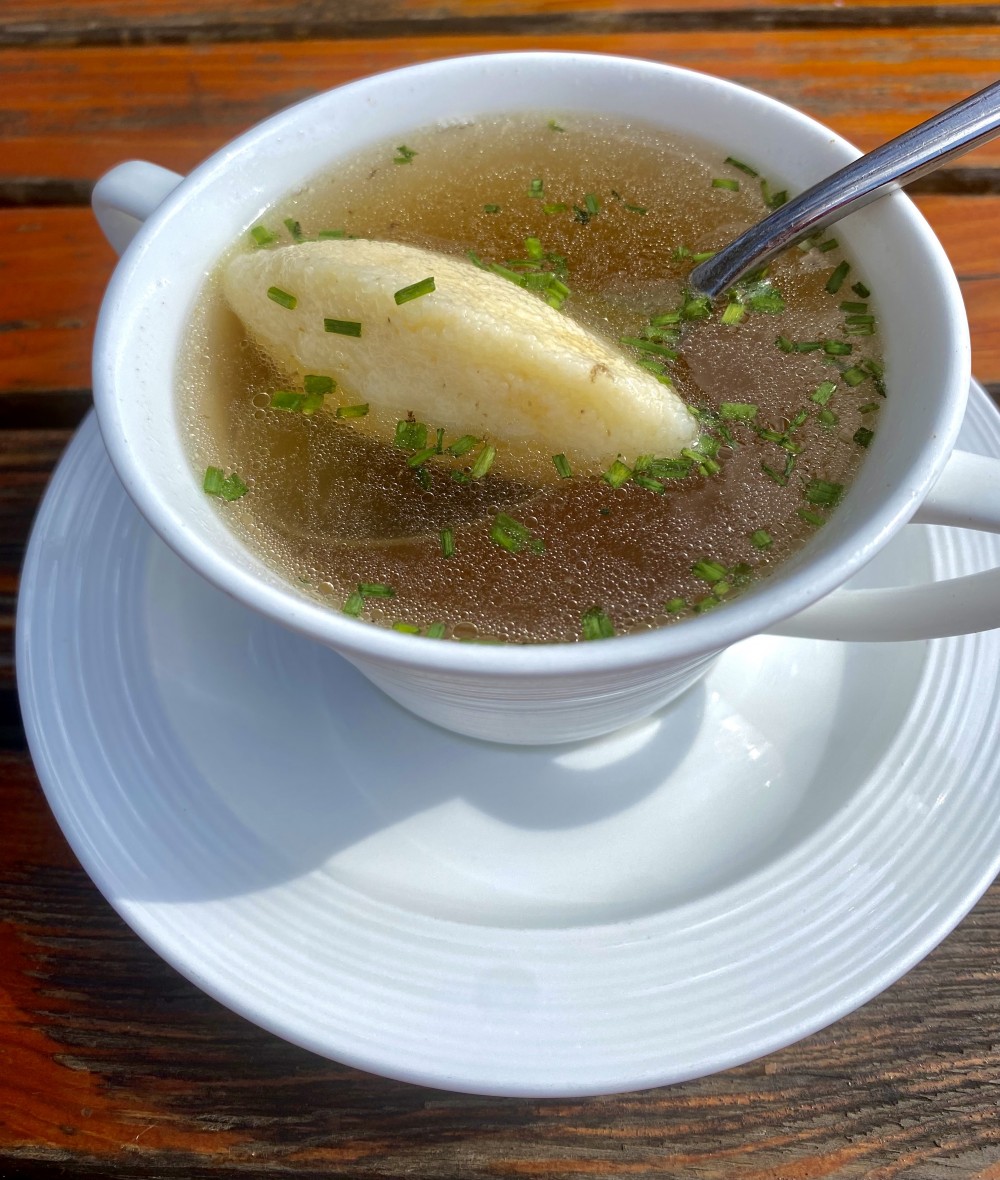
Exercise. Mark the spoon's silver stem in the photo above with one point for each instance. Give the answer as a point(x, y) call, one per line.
point(914, 153)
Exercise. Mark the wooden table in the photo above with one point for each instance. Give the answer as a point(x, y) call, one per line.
point(110, 1062)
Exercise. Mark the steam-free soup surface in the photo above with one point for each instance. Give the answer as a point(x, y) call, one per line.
point(783, 376)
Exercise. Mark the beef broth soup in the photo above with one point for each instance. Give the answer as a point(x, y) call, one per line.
point(405, 523)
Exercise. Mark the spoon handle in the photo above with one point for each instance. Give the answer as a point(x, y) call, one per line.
point(923, 148)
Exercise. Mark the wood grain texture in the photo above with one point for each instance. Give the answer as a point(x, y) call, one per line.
point(46, 328)
point(73, 113)
point(110, 1060)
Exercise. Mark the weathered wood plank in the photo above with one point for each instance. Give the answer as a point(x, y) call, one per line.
point(70, 114)
point(112, 1061)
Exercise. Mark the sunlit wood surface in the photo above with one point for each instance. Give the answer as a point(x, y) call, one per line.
point(110, 1063)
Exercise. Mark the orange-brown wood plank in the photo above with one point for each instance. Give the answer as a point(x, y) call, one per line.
point(46, 327)
point(72, 113)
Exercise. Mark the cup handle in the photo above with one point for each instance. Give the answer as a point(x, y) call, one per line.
point(124, 197)
point(966, 495)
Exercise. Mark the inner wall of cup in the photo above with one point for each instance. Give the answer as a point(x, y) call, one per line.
point(891, 248)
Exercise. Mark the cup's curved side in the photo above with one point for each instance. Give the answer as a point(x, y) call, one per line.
point(126, 195)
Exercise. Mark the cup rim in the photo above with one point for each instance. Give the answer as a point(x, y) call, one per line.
point(751, 613)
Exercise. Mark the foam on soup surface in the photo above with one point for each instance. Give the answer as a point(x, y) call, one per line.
point(334, 478)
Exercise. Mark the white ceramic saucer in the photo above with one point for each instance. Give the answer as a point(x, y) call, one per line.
point(738, 871)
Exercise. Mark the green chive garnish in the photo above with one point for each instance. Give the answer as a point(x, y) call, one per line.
point(853, 308)
point(282, 298)
point(216, 483)
point(536, 188)
point(709, 571)
point(447, 542)
point(333, 235)
point(562, 466)
point(734, 312)
point(854, 376)
point(491, 208)
point(595, 624)
point(591, 204)
point(375, 590)
point(359, 411)
point(828, 245)
point(555, 208)
point(732, 186)
point(863, 436)
point(410, 436)
point(315, 383)
point(734, 163)
point(648, 482)
point(811, 517)
point(861, 290)
point(696, 307)
point(617, 474)
point(772, 200)
point(828, 417)
point(404, 155)
point(738, 411)
point(554, 126)
point(823, 392)
point(777, 476)
point(294, 229)
point(836, 280)
point(436, 631)
point(764, 297)
point(761, 539)
point(674, 605)
point(262, 236)
point(419, 458)
point(413, 291)
point(868, 408)
point(286, 399)
point(406, 628)
point(354, 605)
point(342, 327)
point(837, 348)
point(512, 535)
point(669, 468)
point(636, 208)
point(462, 445)
point(484, 461)
point(822, 491)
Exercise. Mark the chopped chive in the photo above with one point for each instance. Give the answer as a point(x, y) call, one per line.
point(807, 346)
point(709, 571)
point(649, 346)
point(799, 420)
point(295, 229)
point(406, 628)
point(811, 517)
point(785, 344)
point(854, 376)
point(732, 186)
point(419, 458)
point(789, 466)
point(233, 487)
point(282, 298)
point(617, 474)
point(447, 542)
point(681, 253)
point(775, 475)
point(721, 589)
point(215, 477)
point(868, 408)
point(772, 200)
point(591, 204)
point(837, 348)
point(476, 260)
point(562, 466)
point(410, 436)
point(853, 308)
point(860, 329)
point(674, 605)
point(823, 392)
point(705, 604)
point(641, 209)
point(333, 235)
point(512, 535)
point(734, 163)
point(558, 207)
point(536, 188)
point(286, 399)
point(738, 411)
point(696, 307)
point(423, 477)
point(436, 631)
point(460, 477)
point(733, 313)
point(354, 605)
point(359, 411)
point(861, 290)
point(828, 417)
point(836, 280)
point(863, 436)
point(858, 318)
point(595, 624)
point(439, 441)
point(506, 273)
point(828, 245)
point(643, 462)
point(342, 327)
point(375, 590)
point(404, 155)
point(491, 208)
point(703, 255)
point(648, 482)
point(484, 461)
point(413, 291)
point(554, 126)
point(262, 236)
point(822, 491)
point(761, 539)
point(216, 483)
point(314, 383)
point(533, 248)
point(669, 468)
point(765, 298)
point(462, 445)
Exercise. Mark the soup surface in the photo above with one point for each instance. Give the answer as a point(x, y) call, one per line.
point(411, 527)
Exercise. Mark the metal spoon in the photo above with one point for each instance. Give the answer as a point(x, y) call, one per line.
point(923, 148)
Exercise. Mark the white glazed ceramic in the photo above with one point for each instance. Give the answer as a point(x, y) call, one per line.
point(702, 887)
point(545, 693)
